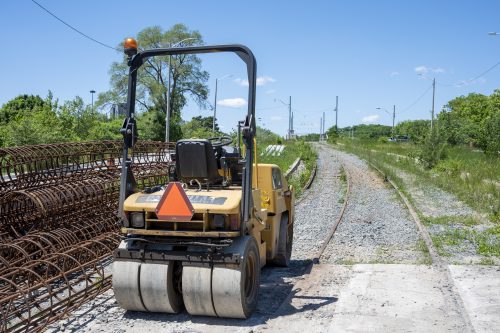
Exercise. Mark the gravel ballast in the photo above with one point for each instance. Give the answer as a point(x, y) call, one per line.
point(376, 227)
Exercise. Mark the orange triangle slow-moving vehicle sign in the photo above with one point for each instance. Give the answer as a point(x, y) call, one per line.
point(174, 204)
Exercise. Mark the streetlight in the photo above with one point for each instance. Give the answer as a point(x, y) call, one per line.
point(433, 95)
point(167, 116)
point(290, 116)
point(493, 33)
point(393, 117)
point(92, 92)
point(215, 100)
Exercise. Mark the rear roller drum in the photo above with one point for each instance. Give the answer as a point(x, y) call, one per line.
point(285, 241)
point(235, 291)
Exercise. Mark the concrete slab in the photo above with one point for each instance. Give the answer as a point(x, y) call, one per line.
point(395, 298)
point(479, 288)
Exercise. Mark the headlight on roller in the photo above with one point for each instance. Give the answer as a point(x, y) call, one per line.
point(137, 219)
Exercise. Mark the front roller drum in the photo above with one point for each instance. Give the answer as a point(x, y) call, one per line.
point(126, 285)
point(146, 287)
point(157, 288)
point(221, 291)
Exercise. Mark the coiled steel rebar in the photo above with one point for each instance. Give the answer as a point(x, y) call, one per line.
point(59, 223)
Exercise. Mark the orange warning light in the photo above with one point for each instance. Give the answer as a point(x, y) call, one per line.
point(130, 43)
point(130, 47)
point(174, 204)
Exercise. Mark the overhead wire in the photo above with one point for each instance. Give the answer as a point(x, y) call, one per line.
point(417, 100)
point(73, 28)
point(480, 75)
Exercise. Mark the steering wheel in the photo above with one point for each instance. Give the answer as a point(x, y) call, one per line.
point(219, 141)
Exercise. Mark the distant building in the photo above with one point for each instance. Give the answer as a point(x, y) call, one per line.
point(118, 110)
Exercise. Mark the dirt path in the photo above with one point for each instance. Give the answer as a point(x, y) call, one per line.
point(331, 297)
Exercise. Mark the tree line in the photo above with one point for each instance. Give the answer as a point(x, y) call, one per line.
point(472, 120)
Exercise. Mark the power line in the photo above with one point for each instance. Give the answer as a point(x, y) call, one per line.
point(417, 100)
point(463, 82)
point(270, 107)
point(480, 75)
point(73, 28)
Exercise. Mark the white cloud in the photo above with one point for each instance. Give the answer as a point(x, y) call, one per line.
point(241, 82)
point(270, 91)
point(424, 70)
point(232, 102)
point(261, 81)
point(394, 73)
point(421, 70)
point(276, 118)
point(370, 119)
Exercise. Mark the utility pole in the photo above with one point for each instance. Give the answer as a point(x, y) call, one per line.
point(320, 129)
point(336, 113)
point(215, 108)
point(393, 118)
point(433, 95)
point(324, 131)
point(290, 121)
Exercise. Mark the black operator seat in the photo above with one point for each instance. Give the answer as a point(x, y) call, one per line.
point(196, 160)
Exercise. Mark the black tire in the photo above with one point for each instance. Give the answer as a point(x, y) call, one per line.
point(250, 277)
point(285, 242)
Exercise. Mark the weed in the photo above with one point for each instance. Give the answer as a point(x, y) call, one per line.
point(439, 245)
point(293, 149)
point(451, 220)
point(422, 247)
point(486, 261)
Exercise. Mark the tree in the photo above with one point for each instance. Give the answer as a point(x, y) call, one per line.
point(20, 106)
point(416, 130)
point(31, 120)
point(473, 119)
point(187, 80)
point(200, 127)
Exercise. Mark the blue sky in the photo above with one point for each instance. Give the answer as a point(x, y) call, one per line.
point(366, 52)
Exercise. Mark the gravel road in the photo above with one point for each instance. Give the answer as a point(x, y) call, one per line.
point(376, 228)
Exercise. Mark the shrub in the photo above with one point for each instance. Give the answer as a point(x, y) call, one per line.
point(433, 149)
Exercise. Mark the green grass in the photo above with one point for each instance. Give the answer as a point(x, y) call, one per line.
point(343, 182)
point(293, 149)
point(486, 243)
point(470, 175)
point(450, 220)
point(422, 247)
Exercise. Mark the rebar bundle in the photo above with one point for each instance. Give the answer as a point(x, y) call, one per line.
point(59, 223)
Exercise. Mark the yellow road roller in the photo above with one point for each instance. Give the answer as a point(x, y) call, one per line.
point(200, 241)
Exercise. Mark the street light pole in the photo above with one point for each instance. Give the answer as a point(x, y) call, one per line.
point(215, 100)
point(290, 116)
point(167, 115)
point(336, 113)
point(92, 92)
point(393, 116)
point(215, 108)
point(433, 94)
